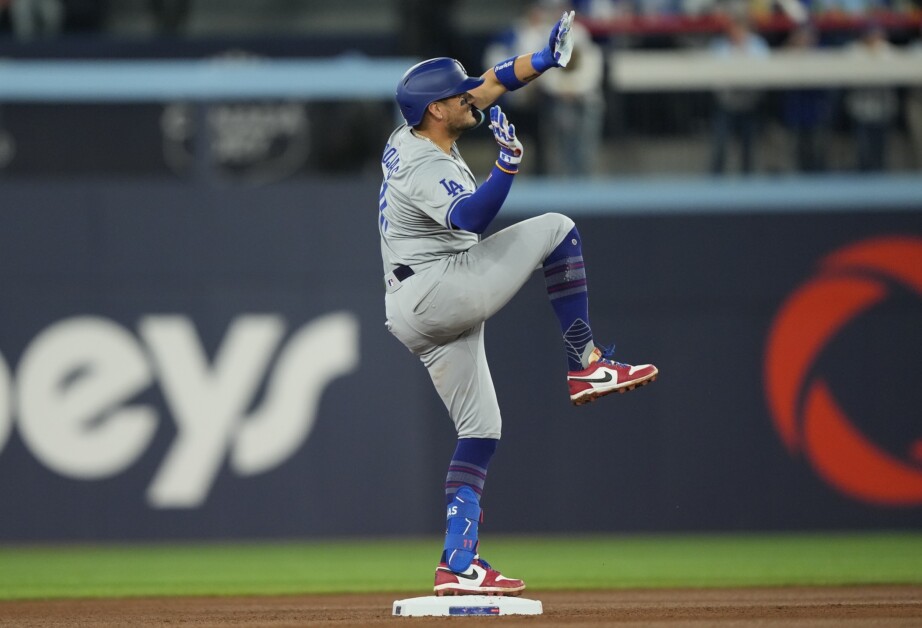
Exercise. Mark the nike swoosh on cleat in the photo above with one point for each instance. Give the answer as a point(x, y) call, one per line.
point(471, 576)
point(589, 380)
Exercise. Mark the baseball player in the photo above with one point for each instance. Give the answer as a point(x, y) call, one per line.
point(443, 279)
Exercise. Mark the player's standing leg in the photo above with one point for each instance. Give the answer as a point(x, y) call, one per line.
point(467, 473)
point(461, 375)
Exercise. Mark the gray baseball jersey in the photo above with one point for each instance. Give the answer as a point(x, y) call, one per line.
point(422, 185)
point(459, 280)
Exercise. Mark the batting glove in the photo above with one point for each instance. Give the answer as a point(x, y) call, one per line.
point(559, 46)
point(510, 148)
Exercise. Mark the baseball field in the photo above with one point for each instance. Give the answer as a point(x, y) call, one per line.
point(739, 580)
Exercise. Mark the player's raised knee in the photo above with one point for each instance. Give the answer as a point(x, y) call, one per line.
point(563, 224)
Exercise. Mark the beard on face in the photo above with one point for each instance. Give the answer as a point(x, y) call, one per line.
point(467, 122)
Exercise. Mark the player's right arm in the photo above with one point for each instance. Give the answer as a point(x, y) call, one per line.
point(477, 211)
point(519, 71)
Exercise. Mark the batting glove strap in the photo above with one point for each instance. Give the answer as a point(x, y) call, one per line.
point(509, 160)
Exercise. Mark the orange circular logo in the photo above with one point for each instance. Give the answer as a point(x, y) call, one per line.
point(850, 281)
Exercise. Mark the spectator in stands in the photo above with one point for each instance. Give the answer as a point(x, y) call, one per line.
point(871, 109)
point(843, 11)
point(36, 19)
point(736, 110)
point(46, 19)
point(572, 120)
point(806, 113)
point(604, 13)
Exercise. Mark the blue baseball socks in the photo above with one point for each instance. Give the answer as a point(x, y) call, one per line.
point(463, 487)
point(565, 280)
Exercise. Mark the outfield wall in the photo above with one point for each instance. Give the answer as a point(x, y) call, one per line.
point(188, 362)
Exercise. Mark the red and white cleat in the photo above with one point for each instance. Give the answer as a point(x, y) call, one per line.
point(604, 376)
point(479, 579)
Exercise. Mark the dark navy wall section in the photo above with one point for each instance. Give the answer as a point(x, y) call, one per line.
point(148, 262)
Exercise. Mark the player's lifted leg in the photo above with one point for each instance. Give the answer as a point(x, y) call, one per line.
point(593, 372)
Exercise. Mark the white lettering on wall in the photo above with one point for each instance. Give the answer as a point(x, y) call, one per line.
point(76, 380)
point(72, 380)
point(319, 352)
point(5, 403)
point(207, 401)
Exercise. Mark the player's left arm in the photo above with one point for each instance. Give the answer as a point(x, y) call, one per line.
point(517, 72)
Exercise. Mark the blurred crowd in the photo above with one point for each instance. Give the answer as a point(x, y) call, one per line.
point(30, 20)
point(566, 115)
point(571, 117)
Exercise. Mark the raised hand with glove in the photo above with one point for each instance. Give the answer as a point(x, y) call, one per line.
point(517, 72)
point(559, 47)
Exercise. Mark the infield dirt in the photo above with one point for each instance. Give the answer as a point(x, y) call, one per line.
point(887, 606)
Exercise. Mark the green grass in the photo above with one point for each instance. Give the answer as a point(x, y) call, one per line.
point(74, 571)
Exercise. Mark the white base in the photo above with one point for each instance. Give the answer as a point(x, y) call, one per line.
point(461, 605)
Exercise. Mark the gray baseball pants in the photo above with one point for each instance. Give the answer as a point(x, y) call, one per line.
point(439, 312)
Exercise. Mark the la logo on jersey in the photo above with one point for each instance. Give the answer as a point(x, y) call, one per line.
point(452, 187)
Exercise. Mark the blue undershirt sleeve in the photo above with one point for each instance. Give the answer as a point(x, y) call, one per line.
point(475, 212)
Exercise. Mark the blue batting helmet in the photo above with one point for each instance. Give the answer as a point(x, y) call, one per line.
point(429, 81)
